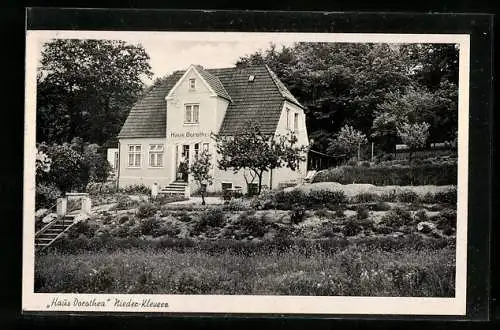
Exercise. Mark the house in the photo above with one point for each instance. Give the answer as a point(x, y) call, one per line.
point(175, 121)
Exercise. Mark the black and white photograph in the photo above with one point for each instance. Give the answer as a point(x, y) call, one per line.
point(246, 172)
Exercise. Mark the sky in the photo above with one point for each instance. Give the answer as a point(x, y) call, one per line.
point(169, 56)
point(170, 51)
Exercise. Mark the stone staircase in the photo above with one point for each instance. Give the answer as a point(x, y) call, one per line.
point(174, 188)
point(52, 231)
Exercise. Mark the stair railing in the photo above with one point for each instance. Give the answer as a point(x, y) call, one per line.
point(47, 226)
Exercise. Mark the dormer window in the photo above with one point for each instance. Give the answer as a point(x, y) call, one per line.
point(251, 78)
point(192, 83)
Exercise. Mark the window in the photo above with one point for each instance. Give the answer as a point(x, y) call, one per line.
point(134, 155)
point(196, 149)
point(156, 155)
point(192, 114)
point(192, 83)
point(287, 118)
point(296, 121)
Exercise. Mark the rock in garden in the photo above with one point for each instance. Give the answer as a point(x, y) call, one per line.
point(81, 217)
point(426, 226)
point(49, 218)
point(396, 234)
point(41, 213)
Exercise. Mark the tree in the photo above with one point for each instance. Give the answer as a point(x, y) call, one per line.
point(200, 169)
point(338, 83)
point(413, 135)
point(358, 84)
point(68, 169)
point(348, 141)
point(85, 88)
point(257, 152)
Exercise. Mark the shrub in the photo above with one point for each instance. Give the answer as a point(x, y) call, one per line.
point(297, 214)
point(286, 200)
point(407, 196)
point(120, 231)
point(146, 209)
point(46, 195)
point(322, 213)
point(362, 212)
point(124, 202)
point(447, 218)
point(136, 189)
point(253, 225)
point(236, 205)
point(149, 225)
point(339, 212)
point(86, 228)
point(402, 175)
point(123, 219)
point(446, 197)
point(168, 229)
point(381, 206)
point(185, 217)
point(421, 216)
point(364, 197)
point(322, 197)
point(213, 217)
point(388, 196)
point(397, 217)
point(365, 164)
point(352, 163)
point(351, 227)
point(134, 231)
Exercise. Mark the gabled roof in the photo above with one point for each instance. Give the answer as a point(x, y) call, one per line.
point(213, 82)
point(260, 100)
point(147, 118)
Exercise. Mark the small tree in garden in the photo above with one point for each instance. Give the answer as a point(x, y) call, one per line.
point(200, 169)
point(68, 169)
point(258, 152)
point(348, 141)
point(414, 135)
point(100, 170)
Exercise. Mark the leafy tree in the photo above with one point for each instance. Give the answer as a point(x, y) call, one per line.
point(413, 135)
point(348, 141)
point(257, 152)
point(85, 88)
point(339, 83)
point(200, 169)
point(366, 85)
point(68, 169)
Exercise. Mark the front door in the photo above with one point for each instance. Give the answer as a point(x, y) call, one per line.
point(182, 163)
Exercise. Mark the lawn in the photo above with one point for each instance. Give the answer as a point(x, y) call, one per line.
point(351, 270)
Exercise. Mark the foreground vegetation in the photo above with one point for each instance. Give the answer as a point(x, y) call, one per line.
point(317, 239)
point(349, 270)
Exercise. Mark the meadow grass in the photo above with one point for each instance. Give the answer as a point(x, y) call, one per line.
point(351, 270)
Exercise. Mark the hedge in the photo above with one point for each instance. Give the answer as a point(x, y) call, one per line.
point(427, 174)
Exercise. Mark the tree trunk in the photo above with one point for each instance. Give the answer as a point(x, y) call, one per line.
point(202, 198)
point(260, 182)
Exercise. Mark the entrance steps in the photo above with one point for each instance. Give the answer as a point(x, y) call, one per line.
point(52, 231)
point(174, 188)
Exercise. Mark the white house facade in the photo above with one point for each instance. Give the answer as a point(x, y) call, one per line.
point(176, 119)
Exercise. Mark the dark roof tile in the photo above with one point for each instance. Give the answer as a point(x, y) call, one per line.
point(260, 101)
